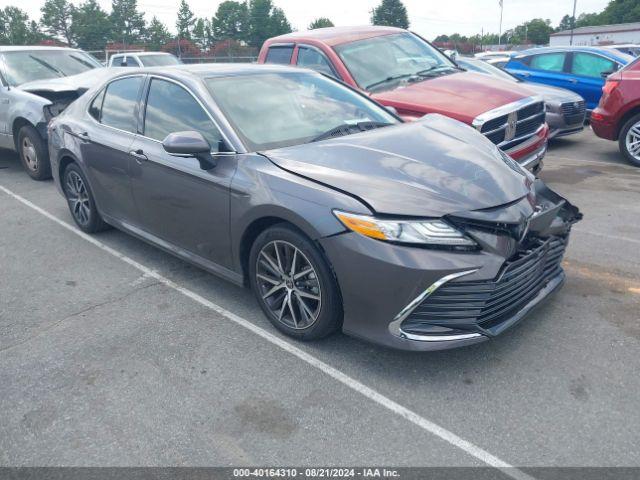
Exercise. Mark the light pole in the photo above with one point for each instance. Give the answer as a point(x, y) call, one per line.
point(500, 30)
point(573, 21)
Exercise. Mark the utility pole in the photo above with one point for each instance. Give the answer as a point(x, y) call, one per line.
point(500, 30)
point(573, 21)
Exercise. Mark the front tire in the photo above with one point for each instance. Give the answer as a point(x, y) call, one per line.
point(80, 200)
point(294, 284)
point(33, 153)
point(629, 140)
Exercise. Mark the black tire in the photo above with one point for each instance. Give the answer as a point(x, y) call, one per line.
point(80, 200)
point(33, 153)
point(326, 312)
point(633, 122)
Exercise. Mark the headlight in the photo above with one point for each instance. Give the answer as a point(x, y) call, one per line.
point(424, 232)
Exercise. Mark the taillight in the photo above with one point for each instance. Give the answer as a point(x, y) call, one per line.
point(610, 86)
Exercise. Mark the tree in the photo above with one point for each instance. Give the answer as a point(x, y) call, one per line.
point(589, 19)
point(538, 31)
point(57, 19)
point(128, 25)
point(91, 27)
point(279, 25)
point(202, 35)
point(566, 23)
point(259, 24)
point(14, 29)
point(186, 20)
point(157, 34)
point(231, 21)
point(322, 22)
point(621, 11)
point(392, 13)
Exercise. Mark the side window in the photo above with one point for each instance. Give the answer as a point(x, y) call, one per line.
point(170, 108)
point(130, 62)
point(119, 105)
point(315, 60)
point(116, 60)
point(589, 65)
point(281, 55)
point(95, 109)
point(551, 62)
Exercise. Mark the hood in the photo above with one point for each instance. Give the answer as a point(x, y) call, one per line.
point(75, 83)
point(461, 95)
point(553, 95)
point(429, 168)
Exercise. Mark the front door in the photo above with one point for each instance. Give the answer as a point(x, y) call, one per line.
point(179, 203)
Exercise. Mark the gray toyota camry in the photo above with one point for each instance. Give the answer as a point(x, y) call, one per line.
point(338, 215)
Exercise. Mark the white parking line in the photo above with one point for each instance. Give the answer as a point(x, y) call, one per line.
point(336, 374)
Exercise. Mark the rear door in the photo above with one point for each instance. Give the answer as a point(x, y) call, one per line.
point(106, 144)
point(179, 203)
point(587, 70)
point(315, 59)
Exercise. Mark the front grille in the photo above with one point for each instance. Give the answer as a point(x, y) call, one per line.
point(530, 118)
point(489, 303)
point(573, 112)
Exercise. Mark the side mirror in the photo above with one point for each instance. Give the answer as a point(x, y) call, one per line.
point(190, 144)
point(391, 109)
point(606, 74)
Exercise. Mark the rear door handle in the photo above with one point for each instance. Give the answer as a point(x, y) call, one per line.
point(573, 80)
point(138, 155)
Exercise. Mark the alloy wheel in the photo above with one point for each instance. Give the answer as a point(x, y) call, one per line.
point(78, 198)
point(632, 142)
point(29, 154)
point(288, 284)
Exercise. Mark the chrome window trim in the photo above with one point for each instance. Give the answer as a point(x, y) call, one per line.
point(395, 326)
point(505, 110)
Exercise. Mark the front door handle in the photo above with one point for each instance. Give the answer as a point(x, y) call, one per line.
point(573, 80)
point(138, 155)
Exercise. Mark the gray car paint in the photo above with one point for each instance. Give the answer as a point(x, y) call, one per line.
point(209, 217)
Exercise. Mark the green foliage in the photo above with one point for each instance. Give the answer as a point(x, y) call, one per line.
point(322, 22)
point(128, 24)
point(566, 23)
point(231, 21)
point(186, 20)
point(57, 19)
point(265, 21)
point(202, 34)
point(91, 27)
point(14, 28)
point(392, 13)
point(157, 34)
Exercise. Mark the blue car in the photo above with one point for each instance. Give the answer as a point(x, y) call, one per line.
point(580, 69)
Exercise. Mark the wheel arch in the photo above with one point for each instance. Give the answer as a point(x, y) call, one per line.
point(17, 124)
point(634, 110)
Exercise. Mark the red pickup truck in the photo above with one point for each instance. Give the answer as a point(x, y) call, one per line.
point(399, 69)
point(618, 114)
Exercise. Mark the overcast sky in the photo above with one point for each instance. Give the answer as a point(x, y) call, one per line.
point(428, 17)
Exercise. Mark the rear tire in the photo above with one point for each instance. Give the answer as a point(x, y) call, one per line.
point(33, 153)
point(629, 140)
point(294, 284)
point(80, 200)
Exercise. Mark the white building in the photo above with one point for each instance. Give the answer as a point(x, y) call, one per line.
point(621, 33)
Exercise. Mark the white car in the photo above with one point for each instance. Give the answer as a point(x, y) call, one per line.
point(143, 59)
point(628, 48)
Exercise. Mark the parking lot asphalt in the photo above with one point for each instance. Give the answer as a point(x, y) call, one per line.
point(104, 364)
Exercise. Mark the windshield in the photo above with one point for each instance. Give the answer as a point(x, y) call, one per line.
point(481, 66)
point(31, 65)
point(382, 62)
point(273, 110)
point(158, 60)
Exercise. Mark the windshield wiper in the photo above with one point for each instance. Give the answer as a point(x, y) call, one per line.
point(47, 65)
point(347, 129)
point(389, 79)
point(428, 72)
point(82, 62)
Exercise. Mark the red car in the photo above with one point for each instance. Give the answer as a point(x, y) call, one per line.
point(399, 69)
point(617, 117)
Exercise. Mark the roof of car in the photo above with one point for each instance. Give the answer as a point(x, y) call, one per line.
point(31, 48)
point(337, 35)
point(607, 52)
point(212, 70)
point(141, 54)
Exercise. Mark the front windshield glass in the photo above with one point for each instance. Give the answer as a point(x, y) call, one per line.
point(380, 63)
point(158, 60)
point(481, 66)
point(273, 110)
point(30, 65)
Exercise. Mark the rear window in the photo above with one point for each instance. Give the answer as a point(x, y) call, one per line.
point(119, 104)
point(281, 55)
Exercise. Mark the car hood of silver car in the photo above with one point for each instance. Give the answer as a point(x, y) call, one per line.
point(73, 83)
point(553, 95)
point(428, 168)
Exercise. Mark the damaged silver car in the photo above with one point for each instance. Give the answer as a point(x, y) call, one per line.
point(36, 84)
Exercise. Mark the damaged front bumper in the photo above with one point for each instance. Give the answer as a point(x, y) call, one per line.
point(422, 299)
